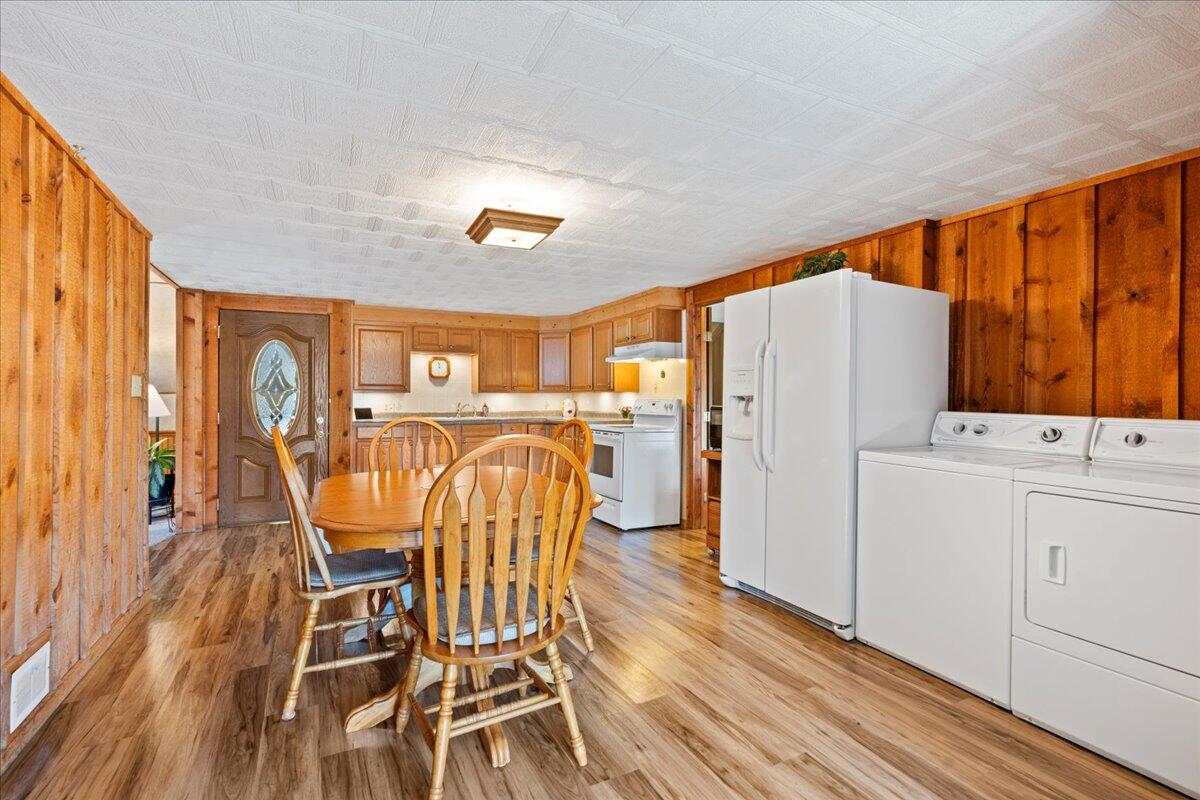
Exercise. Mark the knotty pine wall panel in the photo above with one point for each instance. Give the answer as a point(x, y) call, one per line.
point(73, 303)
point(1059, 294)
point(993, 348)
point(1138, 294)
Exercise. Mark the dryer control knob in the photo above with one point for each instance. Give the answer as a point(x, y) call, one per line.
point(960, 428)
point(980, 429)
point(1050, 435)
point(1135, 439)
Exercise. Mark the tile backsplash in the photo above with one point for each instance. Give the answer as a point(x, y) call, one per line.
point(657, 379)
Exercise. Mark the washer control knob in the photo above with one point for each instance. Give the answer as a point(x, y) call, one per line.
point(960, 428)
point(980, 429)
point(1135, 439)
point(1050, 435)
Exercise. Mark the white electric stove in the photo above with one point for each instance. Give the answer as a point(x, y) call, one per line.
point(636, 467)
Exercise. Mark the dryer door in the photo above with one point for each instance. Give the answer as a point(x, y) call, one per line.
point(1119, 575)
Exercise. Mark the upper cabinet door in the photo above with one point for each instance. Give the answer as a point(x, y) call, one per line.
point(555, 362)
point(643, 327)
point(381, 355)
point(492, 368)
point(602, 346)
point(462, 340)
point(524, 361)
point(622, 330)
point(428, 339)
point(581, 360)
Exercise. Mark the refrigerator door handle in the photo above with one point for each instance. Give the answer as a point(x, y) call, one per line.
point(770, 374)
point(756, 405)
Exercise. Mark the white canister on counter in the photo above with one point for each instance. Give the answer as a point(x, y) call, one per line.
point(569, 409)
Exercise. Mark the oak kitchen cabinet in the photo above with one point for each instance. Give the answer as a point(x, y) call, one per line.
point(556, 361)
point(602, 346)
point(507, 361)
point(381, 355)
point(650, 325)
point(493, 366)
point(462, 340)
point(581, 359)
point(524, 361)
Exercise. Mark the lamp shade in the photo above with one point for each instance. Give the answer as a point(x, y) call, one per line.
point(155, 407)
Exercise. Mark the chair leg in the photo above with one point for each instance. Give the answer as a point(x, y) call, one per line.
point(441, 739)
point(403, 706)
point(300, 659)
point(577, 604)
point(563, 687)
point(398, 604)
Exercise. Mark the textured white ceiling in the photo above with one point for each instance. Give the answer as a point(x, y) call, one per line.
point(342, 148)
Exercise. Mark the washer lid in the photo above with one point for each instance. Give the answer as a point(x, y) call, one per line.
point(1160, 483)
point(964, 460)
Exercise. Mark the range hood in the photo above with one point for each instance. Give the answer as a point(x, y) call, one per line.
point(647, 351)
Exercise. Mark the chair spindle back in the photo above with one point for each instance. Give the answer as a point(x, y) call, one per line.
point(411, 443)
point(576, 435)
point(468, 499)
point(306, 545)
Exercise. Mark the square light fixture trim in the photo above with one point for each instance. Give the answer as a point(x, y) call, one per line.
point(504, 228)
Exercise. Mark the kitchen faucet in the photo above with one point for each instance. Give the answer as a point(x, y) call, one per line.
point(460, 407)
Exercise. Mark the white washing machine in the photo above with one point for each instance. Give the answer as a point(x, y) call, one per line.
point(1106, 598)
point(935, 542)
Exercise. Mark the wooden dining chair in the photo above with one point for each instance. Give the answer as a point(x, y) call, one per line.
point(411, 443)
point(321, 577)
point(577, 436)
point(475, 516)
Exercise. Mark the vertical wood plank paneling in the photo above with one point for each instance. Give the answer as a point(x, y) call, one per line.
point(907, 258)
point(1059, 296)
point(37, 383)
point(864, 256)
point(993, 317)
point(339, 426)
point(114, 404)
point(69, 451)
point(72, 328)
point(96, 425)
point(951, 278)
point(189, 410)
point(1138, 294)
point(1189, 340)
point(140, 292)
point(12, 288)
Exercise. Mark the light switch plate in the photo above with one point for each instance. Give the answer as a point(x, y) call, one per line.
point(135, 388)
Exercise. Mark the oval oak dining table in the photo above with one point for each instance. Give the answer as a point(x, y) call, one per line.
point(368, 510)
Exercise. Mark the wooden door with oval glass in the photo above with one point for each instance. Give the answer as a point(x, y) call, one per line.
point(273, 370)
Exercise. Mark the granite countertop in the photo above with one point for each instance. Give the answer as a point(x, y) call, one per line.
point(495, 418)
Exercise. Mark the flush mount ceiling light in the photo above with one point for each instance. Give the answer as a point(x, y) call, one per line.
point(504, 228)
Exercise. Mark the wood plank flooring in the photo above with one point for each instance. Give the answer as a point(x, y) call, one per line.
point(695, 691)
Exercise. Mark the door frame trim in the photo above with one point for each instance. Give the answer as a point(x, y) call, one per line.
point(199, 366)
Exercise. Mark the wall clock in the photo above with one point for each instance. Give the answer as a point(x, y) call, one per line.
point(439, 367)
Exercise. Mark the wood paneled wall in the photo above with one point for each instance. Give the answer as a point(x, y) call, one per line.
point(1084, 299)
point(73, 503)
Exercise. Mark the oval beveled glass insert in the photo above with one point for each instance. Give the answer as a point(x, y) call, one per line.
point(274, 387)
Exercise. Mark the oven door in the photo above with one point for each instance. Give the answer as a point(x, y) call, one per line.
point(607, 457)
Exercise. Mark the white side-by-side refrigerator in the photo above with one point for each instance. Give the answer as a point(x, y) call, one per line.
point(815, 370)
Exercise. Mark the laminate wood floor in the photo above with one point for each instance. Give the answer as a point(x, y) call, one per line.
point(694, 691)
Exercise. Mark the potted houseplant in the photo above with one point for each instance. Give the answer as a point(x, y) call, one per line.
point(820, 264)
point(162, 458)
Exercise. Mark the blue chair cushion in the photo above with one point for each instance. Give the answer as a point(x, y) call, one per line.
point(487, 627)
point(358, 566)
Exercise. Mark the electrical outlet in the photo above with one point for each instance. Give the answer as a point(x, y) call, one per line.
point(30, 684)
